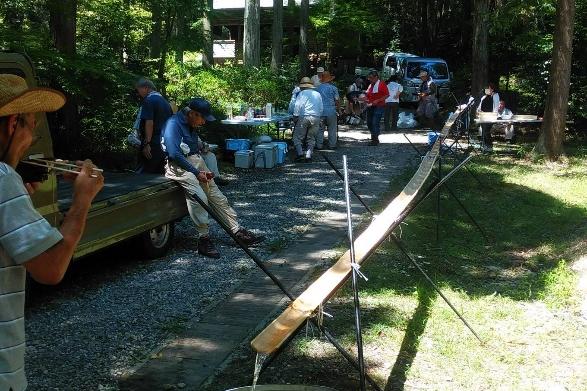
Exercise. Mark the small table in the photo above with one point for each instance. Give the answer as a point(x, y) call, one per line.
point(257, 122)
point(515, 119)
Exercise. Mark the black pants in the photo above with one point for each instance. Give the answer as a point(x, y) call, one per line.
point(154, 165)
point(390, 116)
point(486, 135)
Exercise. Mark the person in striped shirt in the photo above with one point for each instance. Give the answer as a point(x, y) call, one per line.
point(28, 243)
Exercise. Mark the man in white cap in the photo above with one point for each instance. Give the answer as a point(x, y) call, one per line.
point(317, 78)
point(186, 166)
point(307, 112)
point(28, 243)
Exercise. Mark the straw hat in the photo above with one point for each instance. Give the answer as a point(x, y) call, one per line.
point(327, 77)
point(306, 82)
point(16, 97)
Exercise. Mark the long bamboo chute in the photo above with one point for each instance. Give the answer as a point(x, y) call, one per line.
point(294, 316)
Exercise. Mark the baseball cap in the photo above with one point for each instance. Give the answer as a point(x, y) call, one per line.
point(202, 106)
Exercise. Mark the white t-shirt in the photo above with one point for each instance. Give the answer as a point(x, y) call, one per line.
point(393, 88)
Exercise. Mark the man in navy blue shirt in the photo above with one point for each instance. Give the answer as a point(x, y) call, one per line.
point(186, 165)
point(155, 111)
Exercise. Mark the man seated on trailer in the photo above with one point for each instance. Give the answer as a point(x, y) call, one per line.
point(187, 167)
point(28, 243)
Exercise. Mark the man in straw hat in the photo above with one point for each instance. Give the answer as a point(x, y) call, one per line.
point(186, 166)
point(330, 99)
point(307, 112)
point(27, 241)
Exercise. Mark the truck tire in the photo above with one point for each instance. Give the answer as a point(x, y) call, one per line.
point(157, 241)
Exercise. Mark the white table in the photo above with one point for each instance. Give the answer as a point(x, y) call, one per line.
point(257, 122)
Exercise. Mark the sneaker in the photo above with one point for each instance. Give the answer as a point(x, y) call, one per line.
point(249, 238)
point(207, 248)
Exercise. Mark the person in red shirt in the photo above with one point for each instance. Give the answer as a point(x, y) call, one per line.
point(376, 95)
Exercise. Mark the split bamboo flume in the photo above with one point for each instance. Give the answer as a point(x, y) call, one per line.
point(294, 316)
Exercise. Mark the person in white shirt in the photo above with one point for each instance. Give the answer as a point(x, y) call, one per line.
point(316, 79)
point(504, 113)
point(488, 103)
point(307, 112)
point(353, 106)
point(391, 112)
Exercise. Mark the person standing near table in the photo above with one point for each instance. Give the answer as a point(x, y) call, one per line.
point(154, 112)
point(377, 92)
point(28, 243)
point(489, 103)
point(186, 166)
point(330, 99)
point(307, 111)
point(504, 113)
point(391, 113)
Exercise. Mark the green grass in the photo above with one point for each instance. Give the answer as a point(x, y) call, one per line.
point(517, 290)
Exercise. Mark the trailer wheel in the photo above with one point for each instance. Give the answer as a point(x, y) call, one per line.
point(157, 241)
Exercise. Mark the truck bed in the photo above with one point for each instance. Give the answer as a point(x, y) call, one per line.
point(115, 185)
point(129, 204)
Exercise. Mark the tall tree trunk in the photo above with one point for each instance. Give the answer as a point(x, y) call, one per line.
point(277, 36)
point(425, 32)
point(291, 30)
point(156, 29)
point(252, 42)
point(552, 132)
point(304, 22)
point(479, 53)
point(170, 17)
point(208, 54)
point(63, 24)
point(179, 36)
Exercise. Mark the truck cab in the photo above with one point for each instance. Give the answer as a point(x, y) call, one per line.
point(407, 67)
point(130, 205)
point(408, 73)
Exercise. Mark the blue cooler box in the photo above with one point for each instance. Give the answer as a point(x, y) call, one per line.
point(243, 159)
point(281, 151)
point(432, 136)
point(238, 144)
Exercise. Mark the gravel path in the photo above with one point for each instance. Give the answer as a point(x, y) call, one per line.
point(114, 309)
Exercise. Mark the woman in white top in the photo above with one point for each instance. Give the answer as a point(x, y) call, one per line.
point(391, 112)
point(489, 103)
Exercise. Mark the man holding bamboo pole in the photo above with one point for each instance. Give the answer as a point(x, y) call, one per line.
point(27, 241)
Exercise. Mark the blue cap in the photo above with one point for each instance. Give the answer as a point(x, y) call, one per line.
point(202, 106)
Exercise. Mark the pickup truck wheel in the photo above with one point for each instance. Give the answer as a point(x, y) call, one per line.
point(157, 241)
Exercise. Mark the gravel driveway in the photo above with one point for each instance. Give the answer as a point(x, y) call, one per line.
point(114, 308)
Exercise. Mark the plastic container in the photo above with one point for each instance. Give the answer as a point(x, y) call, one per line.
point(432, 136)
point(281, 151)
point(238, 144)
point(243, 159)
point(266, 155)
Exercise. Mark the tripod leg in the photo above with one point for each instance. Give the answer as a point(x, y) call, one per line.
point(466, 212)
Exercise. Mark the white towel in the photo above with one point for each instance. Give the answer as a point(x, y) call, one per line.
point(375, 87)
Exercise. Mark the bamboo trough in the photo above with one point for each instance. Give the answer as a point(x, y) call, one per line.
point(293, 317)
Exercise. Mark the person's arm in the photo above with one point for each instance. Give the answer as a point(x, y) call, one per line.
point(50, 266)
point(399, 91)
point(148, 116)
point(148, 136)
point(336, 99)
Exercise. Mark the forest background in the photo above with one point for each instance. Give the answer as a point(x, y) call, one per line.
point(94, 50)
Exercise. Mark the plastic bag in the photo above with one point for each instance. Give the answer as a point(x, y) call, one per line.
point(133, 139)
point(406, 120)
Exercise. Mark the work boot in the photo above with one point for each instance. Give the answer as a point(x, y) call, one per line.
point(207, 248)
point(248, 238)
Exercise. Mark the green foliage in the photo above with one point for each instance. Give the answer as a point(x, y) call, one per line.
point(231, 85)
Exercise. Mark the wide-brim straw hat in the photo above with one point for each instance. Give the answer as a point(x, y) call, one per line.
point(17, 98)
point(306, 82)
point(327, 77)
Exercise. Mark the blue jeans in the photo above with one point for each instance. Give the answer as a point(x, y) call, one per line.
point(374, 114)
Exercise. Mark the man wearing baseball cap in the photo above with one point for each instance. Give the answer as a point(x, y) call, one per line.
point(186, 166)
point(28, 243)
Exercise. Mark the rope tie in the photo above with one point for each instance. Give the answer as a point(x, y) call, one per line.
point(357, 268)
